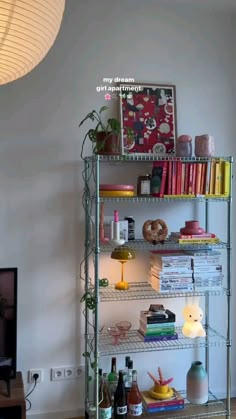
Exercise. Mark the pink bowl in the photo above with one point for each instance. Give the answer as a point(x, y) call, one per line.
point(123, 327)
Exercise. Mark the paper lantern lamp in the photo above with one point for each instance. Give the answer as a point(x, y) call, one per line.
point(28, 29)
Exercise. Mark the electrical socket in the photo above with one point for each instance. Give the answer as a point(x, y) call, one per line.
point(70, 372)
point(79, 371)
point(57, 373)
point(31, 374)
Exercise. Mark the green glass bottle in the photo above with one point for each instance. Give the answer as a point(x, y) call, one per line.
point(112, 379)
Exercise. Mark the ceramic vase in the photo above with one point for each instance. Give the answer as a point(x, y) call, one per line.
point(197, 384)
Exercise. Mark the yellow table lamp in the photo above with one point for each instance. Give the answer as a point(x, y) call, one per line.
point(122, 254)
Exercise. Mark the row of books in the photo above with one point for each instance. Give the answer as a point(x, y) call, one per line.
point(151, 405)
point(192, 178)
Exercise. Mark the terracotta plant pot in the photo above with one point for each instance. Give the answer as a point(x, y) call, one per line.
point(107, 143)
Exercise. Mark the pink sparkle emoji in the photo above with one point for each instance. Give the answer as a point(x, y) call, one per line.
point(107, 96)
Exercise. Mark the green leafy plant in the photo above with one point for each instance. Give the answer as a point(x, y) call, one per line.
point(108, 127)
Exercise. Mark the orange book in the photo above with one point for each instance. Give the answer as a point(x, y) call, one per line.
point(203, 179)
point(198, 178)
point(194, 178)
point(190, 183)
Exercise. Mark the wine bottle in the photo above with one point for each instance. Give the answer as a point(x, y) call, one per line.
point(128, 382)
point(120, 399)
point(105, 408)
point(112, 379)
point(134, 398)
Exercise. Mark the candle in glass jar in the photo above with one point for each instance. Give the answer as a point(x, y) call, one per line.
point(204, 146)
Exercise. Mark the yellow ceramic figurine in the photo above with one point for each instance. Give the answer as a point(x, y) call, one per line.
point(161, 389)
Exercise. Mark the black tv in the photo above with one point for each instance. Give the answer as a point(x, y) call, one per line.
point(8, 322)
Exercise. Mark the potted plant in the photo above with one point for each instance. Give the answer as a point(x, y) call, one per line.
point(105, 135)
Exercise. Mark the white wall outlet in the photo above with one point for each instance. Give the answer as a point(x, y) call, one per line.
point(79, 371)
point(57, 373)
point(31, 375)
point(69, 372)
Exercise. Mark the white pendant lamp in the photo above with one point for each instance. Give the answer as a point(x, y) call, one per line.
point(28, 29)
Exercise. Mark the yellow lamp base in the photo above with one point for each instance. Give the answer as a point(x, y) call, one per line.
point(160, 394)
point(122, 285)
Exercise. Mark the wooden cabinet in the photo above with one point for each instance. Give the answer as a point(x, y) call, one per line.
point(14, 406)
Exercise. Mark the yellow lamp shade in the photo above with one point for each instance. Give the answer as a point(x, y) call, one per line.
point(28, 29)
point(123, 253)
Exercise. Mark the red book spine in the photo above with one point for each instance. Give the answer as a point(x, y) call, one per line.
point(169, 190)
point(179, 177)
point(163, 179)
point(182, 178)
point(173, 402)
point(186, 180)
point(174, 176)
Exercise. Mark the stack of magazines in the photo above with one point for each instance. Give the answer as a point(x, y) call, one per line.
point(207, 270)
point(171, 272)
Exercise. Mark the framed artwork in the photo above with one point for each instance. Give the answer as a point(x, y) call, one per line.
point(148, 111)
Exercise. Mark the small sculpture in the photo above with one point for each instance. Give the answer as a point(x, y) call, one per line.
point(161, 389)
point(193, 316)
point(155, 231)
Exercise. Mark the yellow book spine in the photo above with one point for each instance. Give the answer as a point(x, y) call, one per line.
point(199, 241)
point(226, 178)
point(212, 177)
point(217, 178)
point(179, 196)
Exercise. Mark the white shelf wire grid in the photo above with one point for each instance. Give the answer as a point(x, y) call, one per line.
point(150, 157)
point(134, 342)
point(167, 245)
point(144, 291)
point(151, 199)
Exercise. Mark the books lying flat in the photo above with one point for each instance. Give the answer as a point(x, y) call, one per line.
point(158, 338)
point(156, 326)
point(150, 403)
point(151, 317)
point(157, 333)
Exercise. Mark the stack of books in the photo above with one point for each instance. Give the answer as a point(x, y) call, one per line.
point(171, 272)
point(204, 238)
point(207, 270)
point(157, 326)
point(154, 406)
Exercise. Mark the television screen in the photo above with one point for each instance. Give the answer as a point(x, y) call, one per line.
point(8, 321)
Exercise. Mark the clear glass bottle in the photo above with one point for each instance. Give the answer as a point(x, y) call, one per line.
point(105, 407)
point(134, 398)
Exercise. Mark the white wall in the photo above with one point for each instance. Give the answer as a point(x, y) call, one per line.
point(41, 216)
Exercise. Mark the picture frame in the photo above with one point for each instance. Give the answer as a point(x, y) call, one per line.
point(148, 111)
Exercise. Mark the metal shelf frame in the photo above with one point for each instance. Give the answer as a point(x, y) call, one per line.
point(98, 344)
